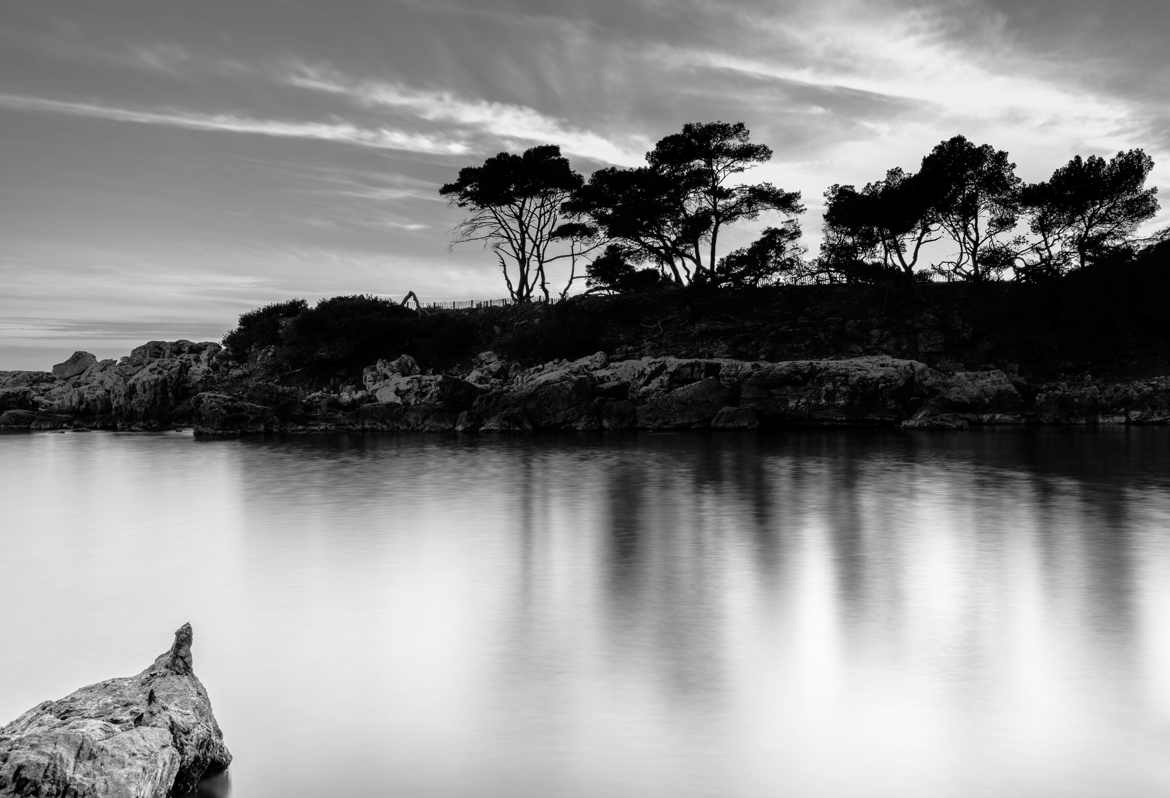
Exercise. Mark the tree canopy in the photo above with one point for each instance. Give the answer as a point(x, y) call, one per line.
point(515, 210)
point(976, 202)
point(958, 217)
point(672, 210)
point(1090, 205)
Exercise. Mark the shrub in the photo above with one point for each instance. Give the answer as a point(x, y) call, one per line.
point(262, 327)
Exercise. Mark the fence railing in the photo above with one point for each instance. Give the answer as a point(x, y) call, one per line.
point(473, 304)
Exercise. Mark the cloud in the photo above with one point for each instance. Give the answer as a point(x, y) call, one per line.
point(336, 131)
point(503, 120)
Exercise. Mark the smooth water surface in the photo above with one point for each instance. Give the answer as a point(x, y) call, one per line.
point(815, 614)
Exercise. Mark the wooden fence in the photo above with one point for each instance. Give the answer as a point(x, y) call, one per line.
point(472, 304)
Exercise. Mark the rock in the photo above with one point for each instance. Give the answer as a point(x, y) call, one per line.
point(151, 735)
point(618, 414)
point(688, 407)
point(20, 379)
point(218, 415)
point(438, 390)
point(383, 370)
point(863, 390)
point(977, 392)
point(736, 418)
point(16, 419)
point(77, 364)
point(16, 399)
point(945, 421)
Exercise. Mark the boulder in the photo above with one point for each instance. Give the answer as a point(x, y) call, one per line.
point(152, 735)
point(77, 363)
point(688, 407)
point(218, 415)
point(401, 366)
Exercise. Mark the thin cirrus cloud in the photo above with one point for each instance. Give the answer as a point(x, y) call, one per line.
point(502, 120)
point(337, 131)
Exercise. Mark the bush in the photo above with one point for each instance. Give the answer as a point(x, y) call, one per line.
point(262, 327)
point(346, 333)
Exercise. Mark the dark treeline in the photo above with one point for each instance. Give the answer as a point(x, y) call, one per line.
point(964, 215)
point(958, 264)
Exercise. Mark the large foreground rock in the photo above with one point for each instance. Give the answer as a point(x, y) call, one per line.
point(147, 736)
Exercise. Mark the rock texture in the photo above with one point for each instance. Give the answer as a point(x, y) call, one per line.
point(164, 385)
point(151, 735)
point(151, 388)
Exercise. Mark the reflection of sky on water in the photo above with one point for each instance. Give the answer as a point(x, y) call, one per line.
point(830, 614)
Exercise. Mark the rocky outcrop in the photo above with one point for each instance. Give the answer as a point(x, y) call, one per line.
point(180, 383)
point(151, 735)
point(151, 388)
point(76, 364)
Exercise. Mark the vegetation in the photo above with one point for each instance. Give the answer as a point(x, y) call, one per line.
point(516, 205)
point(958, 262)
point(963, 216)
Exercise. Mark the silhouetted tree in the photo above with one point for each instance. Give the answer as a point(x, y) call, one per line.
point(704, 157)
point(881, 228)
point(641, 208)
point(613, 271)
point(1089, 206)
point(775, 257)
point(515, 209)
point(672, 211)
point(976, 202)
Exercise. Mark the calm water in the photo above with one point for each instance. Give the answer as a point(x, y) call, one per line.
point(821, 614)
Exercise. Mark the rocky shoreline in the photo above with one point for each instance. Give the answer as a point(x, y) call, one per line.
point(179, 384)
point(151, 735)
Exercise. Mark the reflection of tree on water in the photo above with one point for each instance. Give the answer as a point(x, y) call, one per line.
point(985, 563)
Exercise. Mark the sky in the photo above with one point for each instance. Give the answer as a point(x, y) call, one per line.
point(165, 167)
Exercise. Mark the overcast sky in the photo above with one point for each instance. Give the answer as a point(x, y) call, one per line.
point(166, 166)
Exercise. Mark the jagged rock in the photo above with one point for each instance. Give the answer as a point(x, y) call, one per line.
point(856, 390)
point(217, 414)
point(377, 374)
point(16, 399)
point(151, 735)
point(20, 379)
point(438, 390)
point(945, 421)
point(690, 406)
point(735, 418)
point(16, 419)
point(488, 368)
point(77, 363)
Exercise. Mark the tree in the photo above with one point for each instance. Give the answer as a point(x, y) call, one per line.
point(772, 258)
point(515, 210)
point(612, 271)
point(1089, 206)
point(704, 157)
point(673, 210)
point(882, 228)
point(643, 209)
point(976, 202)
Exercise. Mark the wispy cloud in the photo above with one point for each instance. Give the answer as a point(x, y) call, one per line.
point(335, 131)
point(502, 120)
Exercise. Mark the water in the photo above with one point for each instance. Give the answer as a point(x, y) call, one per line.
point(816, 614)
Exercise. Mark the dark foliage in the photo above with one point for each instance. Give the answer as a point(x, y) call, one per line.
point(263, 326)
point(514, 204)
point(613, 272)
point(1088, 208)
point(772, 259)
